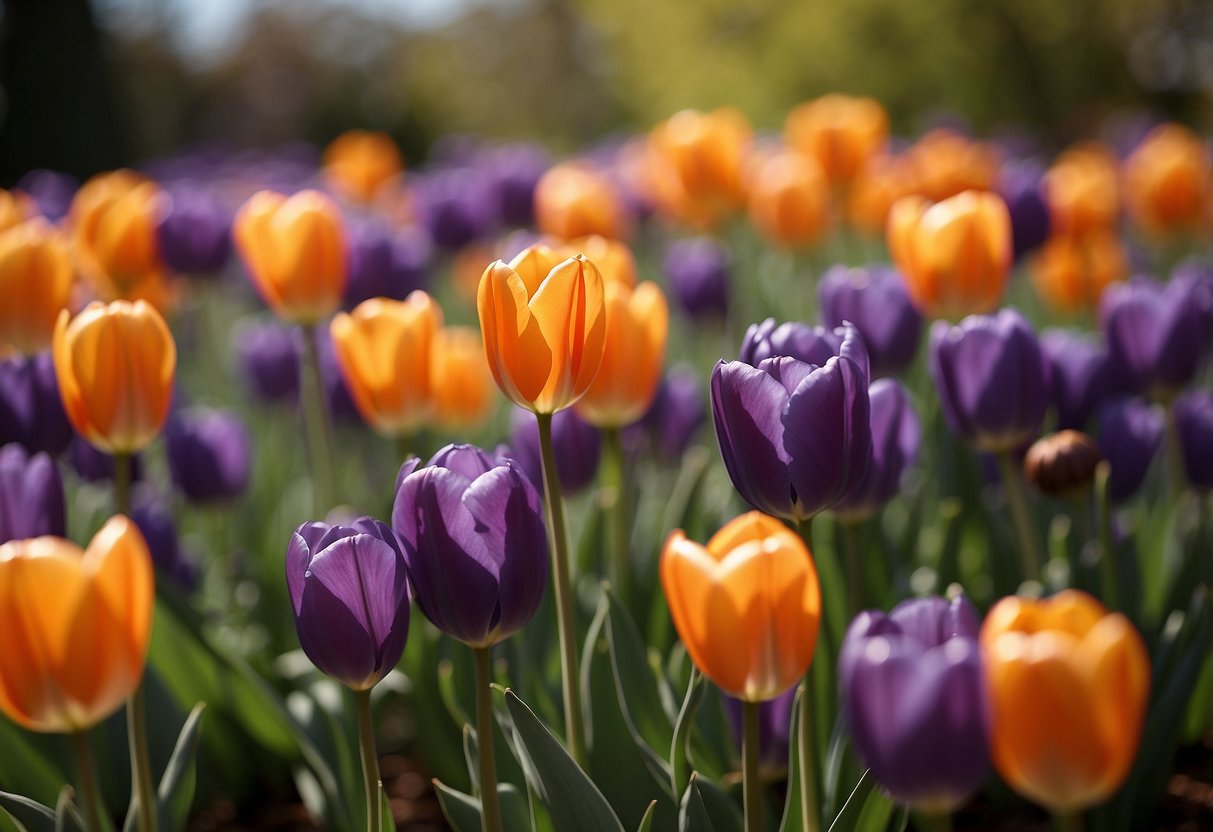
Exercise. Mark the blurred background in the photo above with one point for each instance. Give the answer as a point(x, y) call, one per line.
point(87, 86)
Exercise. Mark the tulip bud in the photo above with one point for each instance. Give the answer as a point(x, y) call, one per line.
point(31, 411)
point(1154, 334)
point(1062, 463)
point(944, 163)
point(31, 495)
point(698, 272)
point(789, 200)
point(1079, 375)
point(839, 132)
point(35, 282)
point(875, 301)
point(1130, 433)
point(574, 199)
point(1167, 182)
point(513, 172)
point(268, 356)
point(209, 454)
point(360, 163)
point(461, 385)
point(1021, 187)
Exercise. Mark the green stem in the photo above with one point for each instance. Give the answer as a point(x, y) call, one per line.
point(751, 780)
point(1107, 553)
point(490, 802)
point(614, 503)
point(570, 682)
point(1066, 822)
point(123, 465)
point(1177, 477)
point(141, 763)
point(370, 760)
point(86, 766)
point(316, 426)
point(852, 539)
point(1017, 498)
point(810, 792)
point(404, 447)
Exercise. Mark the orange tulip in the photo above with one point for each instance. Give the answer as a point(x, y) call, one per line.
point(1070, 273)
point(295, 251)
point(880, 183)
point(384, 350)
point(946, 163)
point(76, 626)
point(747, 606)
point(696, 165)
point(1067, 686)
point(1081, 190)
point(637, 321)
point(790, 199)
point(35, 281)
point(1167, 181)
point(115, 366)
point(460, 380)
point(614, 259)
point(840, 132)
point(544, 326)
point(954, 255)
point(15, 208)
point(574, 199)
point(359, 163)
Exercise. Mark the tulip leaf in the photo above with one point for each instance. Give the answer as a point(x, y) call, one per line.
point(646, 822)
point(67, 816)
point(176, 793)
point(462, 811)
point(866, 810)
point(681, 742)
point(571, 797)
point(692, 814)
point(723, 808)
point(791, 819)
point(30, 814)
point(28, 765)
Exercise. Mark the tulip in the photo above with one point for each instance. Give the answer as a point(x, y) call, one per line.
point(115, 366)
point(31, 495)
point(349, 592)
point(839, 132)
point(15, 208)
point(209, 454)
point(513, 172)
point(810, 344)
point(913, 702)
point(544, 326)
point(677, 413)
point(194, 232)
point(385, 263)
point(1071, 273)
point(699, 275)
point(76, 623)
point(795, 437)
point(1167, 182)
point(1021, 187)
point(461, 386)
point(31, 411)
point(614, 259)
point(896, 436)
point(789, 200)
point(294, 249)
point(955, 255)
point(1154, 334)
point(944, 163)
point(1067, 685)
point(577, 445)
point(360, 163)
point(882, 181)
point(50, 190)
point(575, 199)
point(1082, 191)
point(875, 301)
point(1198, 272)
point(1130, 433)
point(454, 208)
point(384, 348)
point(695, 164)
point(268, 357)
point(1080, 376)
point(1194, 418)
point(35, 282)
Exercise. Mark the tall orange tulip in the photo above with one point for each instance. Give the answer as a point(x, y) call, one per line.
point(1067, 685)
point(574, 199)
point(384, 348)
point(460, 380)
point(637, 322)
point(359, 163)
point(954, 255)
point(880, 183)
point(1167, 182)
point(295, 251)
point(945, 163)
point(696, 165)
point(15, 208)
point(115, 365)
point(1070, 273)
point(790, 199)
point(544, 326)
point(747, 606)
point(1082, 190)
point(76, 626)
point(840, 132)
point(35, 281)
point(613, 258)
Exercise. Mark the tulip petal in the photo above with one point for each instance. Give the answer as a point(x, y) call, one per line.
point(332, 636)
point(365, 574)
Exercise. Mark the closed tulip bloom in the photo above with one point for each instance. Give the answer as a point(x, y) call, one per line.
point(1154, 333)
point(294, 249)
point(1071, 273)
point(359, 163)
point(154, 517)
point(913, 702)
point(810, 344)
point(613, 258)
point(1130, 433)
point(1080, 376)
point(31, 410)
point(696, 162)
point(209, 453)
point(576, 444)
point(840, 132)
point(991, 378)
point(454, 207)
point(1167, 182)
point(795, 437)
point(677, 413)
point(385, 349)
point(574, 199)
point(875, 301)
point(1194, 419)
point(747, 606)
point(268, 357)
point(789, 200)
point(944, 163)
point(513, 171)
point(544, 327)
point(461, 386)
point(194, 232)
point(955, 255)
point(35, 283)
point(637, 322)
point(349, 592)
point(896, 437)
point(77, 625)
point(882, 181)
point(115, 366)
point(473, 534)
point(699, 274)
point(50, 190)
point(386, 262)
point(1021, 187)
point(1067, 685)
point(1082, 190)
point(31, 495)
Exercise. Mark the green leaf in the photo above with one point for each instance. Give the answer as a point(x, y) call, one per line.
point(29, 813)
point(856, 810)
point(176, 793)
point(646, 822)
point(692, 814)
point(723, 809)
point(791, 820)
point(463, 810)
point(29, 765)
point(571, 797)
point(681, 742)
point(67, 816)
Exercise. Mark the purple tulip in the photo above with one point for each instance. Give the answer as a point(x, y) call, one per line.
point(193, 233)
point(31, 495)
point(992, 379)
point(1198, 272)
point(811, 344)
point(473, 535)
point(93, 465)
point(896, 436)
point(454, 206)
point(268, 356)
point(1154, 333)
point(349, 591)
point(208, 454)
point(51, 190)
point(795, 437)
point(155, 521)
point(1130, 432)
point(385, 263)
point(576, 444)
point(875, 301)
point(677, 413)
point(1079, 374)
point(912, 700)
point(31, 411)
point(1194, 419)
point(699, 275)
point(774, 722)
point(512, 172)
point(1020, 187)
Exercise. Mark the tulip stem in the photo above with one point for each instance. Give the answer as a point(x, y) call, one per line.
point(1107, 552)
point(316, 426)
point(490, 802)
point(810, 795)
point(570, 682)
point(852, 538)
point(1176, 475)
point(1017, 498)
point(86, 765)
point(370, 759)
point(122, 482)
point(614, 493)
point(751, 780)
point(141, 761)
point(1068, 822)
